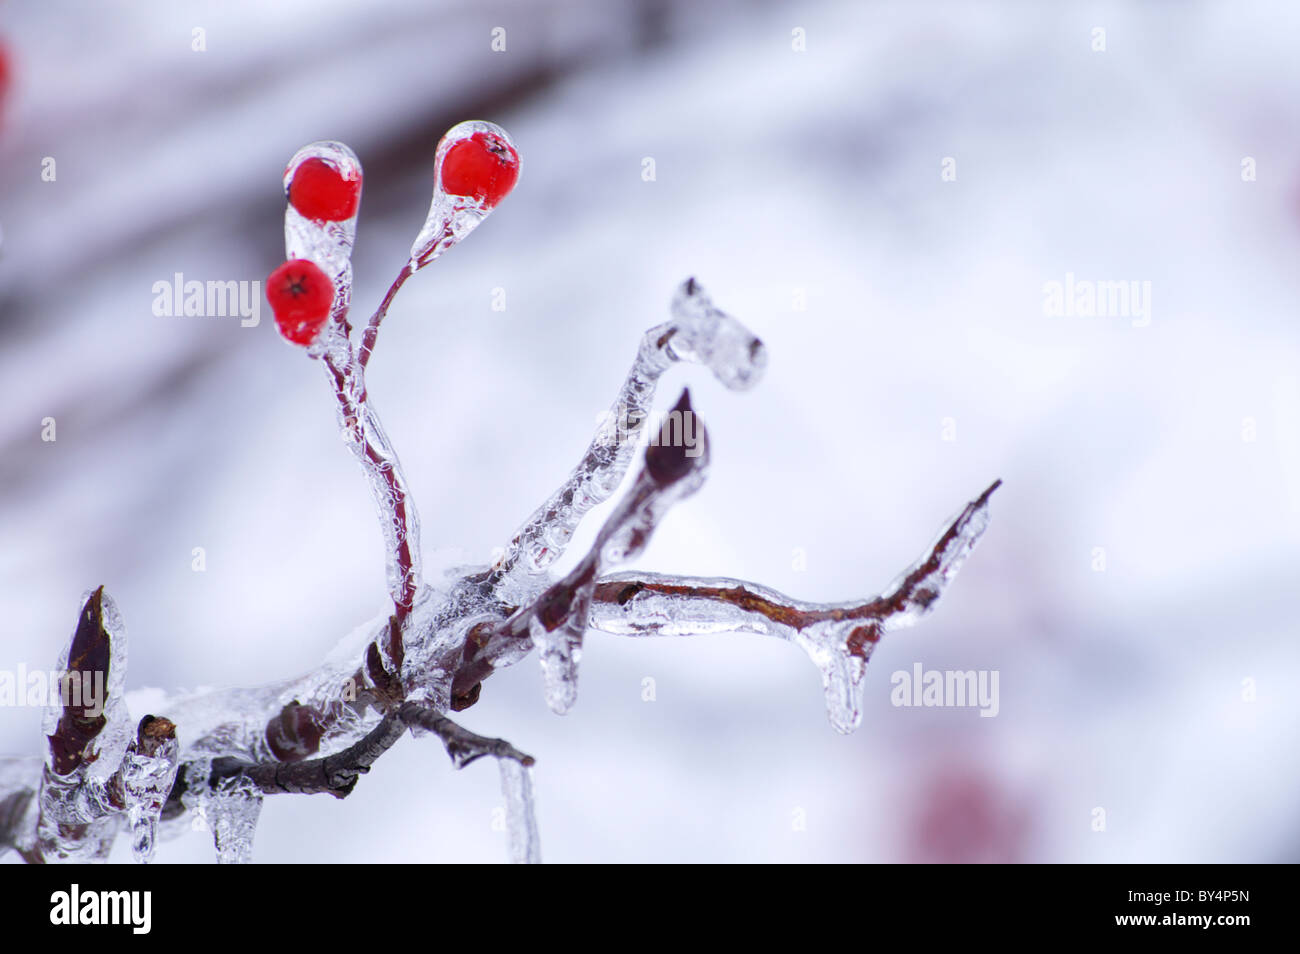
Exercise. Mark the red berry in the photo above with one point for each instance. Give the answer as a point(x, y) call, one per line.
point(301, 296)
point(319, 191)
point(482, 166)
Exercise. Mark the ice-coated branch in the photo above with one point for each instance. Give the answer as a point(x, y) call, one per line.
point(675, 467)
point(364, 435)
point(838, 637)
point(320, 732)
point(320, 236)
point(335, 774)
point(698, 332)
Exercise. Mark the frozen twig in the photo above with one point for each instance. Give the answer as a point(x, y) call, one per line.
point(838, 637)
point(335, 774)
point(365, 437)
point(462, 745)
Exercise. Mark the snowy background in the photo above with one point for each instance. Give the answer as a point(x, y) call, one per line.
point(1174, 447)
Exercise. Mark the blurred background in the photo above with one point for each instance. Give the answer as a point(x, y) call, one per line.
point(1135, 591)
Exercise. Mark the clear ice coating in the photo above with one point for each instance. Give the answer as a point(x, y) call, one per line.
point(452, 217)
point(364, 435)
point(76, 821)
point(698, 332)
point(838, 637)
point(521, 812)
point(77, 817)
point(231, 810)
point(708, 336)
point(327, 243)
point(118, 729)
point(146, 782)
point(624, 537)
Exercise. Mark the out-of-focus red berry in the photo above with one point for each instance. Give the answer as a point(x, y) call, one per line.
point(320, 191)
point(301, 296)
point(5, 73)
point(482, 167)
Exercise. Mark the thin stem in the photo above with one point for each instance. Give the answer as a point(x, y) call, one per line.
point(372, 327)
point(369, 443)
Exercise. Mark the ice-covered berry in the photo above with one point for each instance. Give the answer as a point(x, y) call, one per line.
point(320, 191)
point(483, 166)
point(301, 296)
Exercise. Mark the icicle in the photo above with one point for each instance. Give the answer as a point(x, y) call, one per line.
point(521, 812)
point(841, 658)
point(231, 810)
point(560, 651)
point(475, 157)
